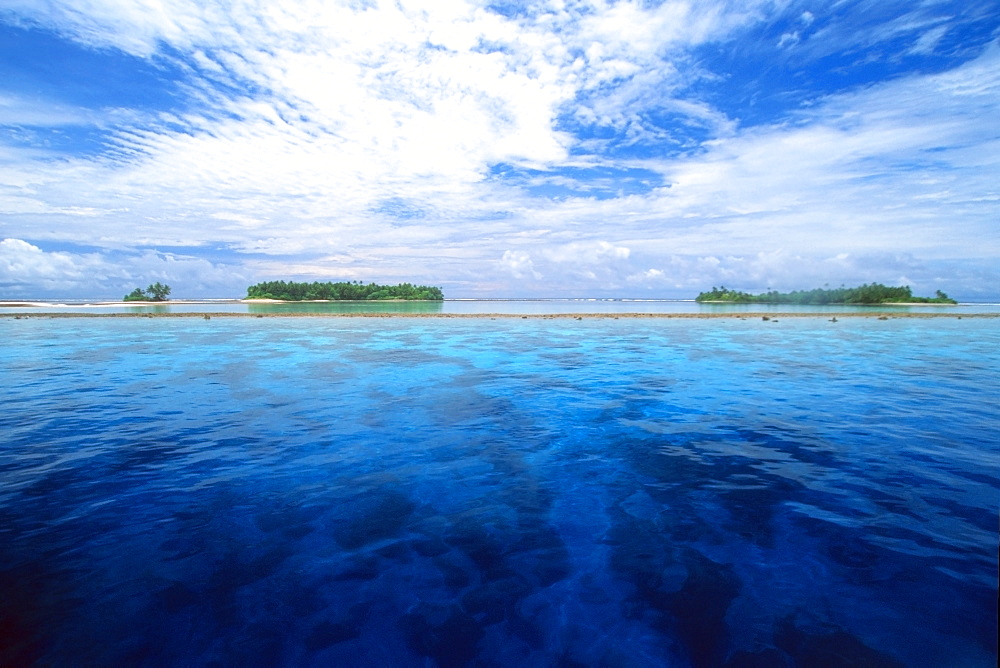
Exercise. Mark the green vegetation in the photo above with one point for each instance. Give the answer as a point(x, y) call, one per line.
point(344, 291)
point(157, 292)
point(874, 293)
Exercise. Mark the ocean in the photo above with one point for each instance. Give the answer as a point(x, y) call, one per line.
point(317, 491)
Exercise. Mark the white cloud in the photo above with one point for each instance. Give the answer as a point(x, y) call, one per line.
point(19, 110)
point(356, 104)
point(882, 168)
point(648, 277)
point(28, 271)
point(789, 39)
point(875, 175)
point(587, 253)
point(519, 264)
point(927, 42)
point(24, 263)
point(345, 110)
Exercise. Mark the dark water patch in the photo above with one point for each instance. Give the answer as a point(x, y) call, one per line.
point(443, 633)
point(765, 658)
point(667, 462)
point(366, 567)
point(828, 647)
point(528, 630)
point(677, 590)
point(176, 597)
point(486, 548)
point(297, 532)
point(853, 552)
point(590, 591)
point(430, 546)
point(398, 551)
point(341, 628)
point(325, 634)
point(236, 571)
point(888, 575)
point(496, 600)
point(455, 575)
point(752, 509)
point(260, 644)
point(372, 516)
point(644, 556)
point(538, 553)
point(862, 560)
point(548, 566)
point(990, 481)
point(148, 456)
point(699, 608)
point(38, 600)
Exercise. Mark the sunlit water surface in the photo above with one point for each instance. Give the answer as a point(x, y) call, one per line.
point(412, 492)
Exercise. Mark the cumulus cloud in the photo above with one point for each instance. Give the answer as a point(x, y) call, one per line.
point(22, 263)
point(28, 271)
point(519, 264)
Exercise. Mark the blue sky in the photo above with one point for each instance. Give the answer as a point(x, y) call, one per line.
point(548, 148)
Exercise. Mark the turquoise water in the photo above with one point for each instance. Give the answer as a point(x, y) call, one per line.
point(413, 492)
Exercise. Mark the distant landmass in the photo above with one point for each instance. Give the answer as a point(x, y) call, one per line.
point(157, 292)
point(871, 294)
point(342, 291)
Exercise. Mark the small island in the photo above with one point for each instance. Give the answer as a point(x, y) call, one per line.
point(157, 292)
point(868, 294)
point(342, 291)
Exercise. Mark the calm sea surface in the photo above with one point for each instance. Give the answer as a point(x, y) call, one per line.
point(474, 307)
point(414, 492)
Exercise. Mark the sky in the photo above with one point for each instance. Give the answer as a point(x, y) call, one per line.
point(552, 148)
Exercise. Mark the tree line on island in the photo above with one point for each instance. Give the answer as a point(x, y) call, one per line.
point(867, 294)
point(292, 291)
point(341, 291)
point(156, 292)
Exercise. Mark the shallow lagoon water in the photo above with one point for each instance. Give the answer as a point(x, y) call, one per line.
point(324, 491)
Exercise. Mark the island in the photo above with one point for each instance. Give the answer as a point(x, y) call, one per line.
point(157, 292)
point(341, 291)
point(867, 294)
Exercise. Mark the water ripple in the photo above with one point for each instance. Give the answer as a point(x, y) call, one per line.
point(411, 492)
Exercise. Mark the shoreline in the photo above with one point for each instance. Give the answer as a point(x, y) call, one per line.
point(772, 316)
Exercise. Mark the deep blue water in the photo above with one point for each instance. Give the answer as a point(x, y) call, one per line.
point(413, 492)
